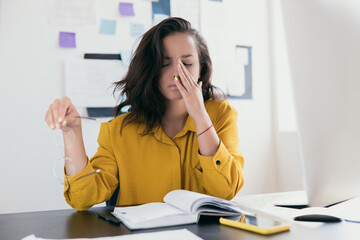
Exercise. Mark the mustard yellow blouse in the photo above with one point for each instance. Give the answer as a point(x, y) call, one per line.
point(147, 167)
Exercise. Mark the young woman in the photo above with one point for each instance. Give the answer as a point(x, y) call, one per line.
point(176, 135)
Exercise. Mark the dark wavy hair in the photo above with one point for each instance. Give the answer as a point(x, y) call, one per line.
point(140, 84)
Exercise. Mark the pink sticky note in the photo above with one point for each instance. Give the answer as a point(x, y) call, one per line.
point(67, 40)
point(126, 9)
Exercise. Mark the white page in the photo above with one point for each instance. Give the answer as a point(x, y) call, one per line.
point(236, 84)
point(186, 200)
point(160, 235)
point(147, 212)
point(188, 9)
point(189, 201)
point(89, 83)
point(71, 12)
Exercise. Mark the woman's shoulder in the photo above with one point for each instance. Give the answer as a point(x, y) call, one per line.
point(118, 119)
point(116, 123)
point(218, 106)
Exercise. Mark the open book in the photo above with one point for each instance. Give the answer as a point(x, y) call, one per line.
point(179, 207)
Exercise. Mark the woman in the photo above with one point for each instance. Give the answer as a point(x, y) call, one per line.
point(176, 135)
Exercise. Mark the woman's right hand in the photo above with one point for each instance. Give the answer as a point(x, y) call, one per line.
point(62, 114)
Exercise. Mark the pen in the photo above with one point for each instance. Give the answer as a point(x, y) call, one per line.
point(115, 222)
point(82, 117)
point(90, 118)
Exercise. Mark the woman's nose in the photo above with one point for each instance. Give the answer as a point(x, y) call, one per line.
point(175, 69)
point(175, 74)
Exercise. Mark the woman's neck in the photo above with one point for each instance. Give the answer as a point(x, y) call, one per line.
point(176, 115)
point(175, 112)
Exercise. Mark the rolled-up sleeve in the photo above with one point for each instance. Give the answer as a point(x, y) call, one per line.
point(85, 189)
point(223, 172)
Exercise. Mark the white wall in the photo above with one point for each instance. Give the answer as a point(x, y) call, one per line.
point(31, 76)
point(290, 175)
point(247, 23)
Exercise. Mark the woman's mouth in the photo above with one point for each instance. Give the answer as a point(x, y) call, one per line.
point(173, 87)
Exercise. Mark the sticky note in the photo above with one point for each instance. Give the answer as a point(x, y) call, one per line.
point(161, 7)
point(126, 9)
point(67, 40)
point(136, 29)
point(108, 26)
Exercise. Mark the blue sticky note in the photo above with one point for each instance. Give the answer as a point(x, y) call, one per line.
point(161, 7)
point(136, 29)
point(67, 40)
point(108, 26)
point(126, 9)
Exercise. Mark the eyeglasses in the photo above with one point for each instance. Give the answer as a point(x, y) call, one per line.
point(58, 165)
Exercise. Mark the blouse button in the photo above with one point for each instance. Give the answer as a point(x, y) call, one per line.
point(218, 162)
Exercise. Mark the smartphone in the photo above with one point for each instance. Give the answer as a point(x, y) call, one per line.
point(253, 223)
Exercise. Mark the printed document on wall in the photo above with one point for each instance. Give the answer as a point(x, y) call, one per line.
point(236, 85)
point(188, 9)
point(71, 12)
point(89, 83)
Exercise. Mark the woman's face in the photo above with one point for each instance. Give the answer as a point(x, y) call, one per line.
point(177, 47)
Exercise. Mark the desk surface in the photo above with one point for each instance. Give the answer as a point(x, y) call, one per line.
point(72, 224)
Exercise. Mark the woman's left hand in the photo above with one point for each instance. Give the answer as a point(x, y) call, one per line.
point(191, 92)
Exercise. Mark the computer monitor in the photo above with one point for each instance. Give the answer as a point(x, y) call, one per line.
point(323, 44)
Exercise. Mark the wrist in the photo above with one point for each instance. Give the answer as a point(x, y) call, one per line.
point(70, 132)
point(202, 124)
point(201, 118)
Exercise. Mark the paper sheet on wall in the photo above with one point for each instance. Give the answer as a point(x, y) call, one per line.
point(89, 83)
point(188, 9)
point(160, 235)
point(236, 84)
point(71, 12)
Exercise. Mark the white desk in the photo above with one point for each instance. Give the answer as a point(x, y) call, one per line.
point(263, 204)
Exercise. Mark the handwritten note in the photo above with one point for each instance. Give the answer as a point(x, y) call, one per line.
point(126, 9)
point(89, 82)
point(67, 40)
point(108, 26)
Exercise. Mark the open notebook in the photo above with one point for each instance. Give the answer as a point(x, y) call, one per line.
point(179, 207)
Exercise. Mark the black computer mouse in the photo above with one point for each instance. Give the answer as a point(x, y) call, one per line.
point(317, 218)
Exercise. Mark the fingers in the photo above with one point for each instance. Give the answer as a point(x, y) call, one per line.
point(186, 76)
point(63, 108)
point(184, 79)
point(180, 86)
point(49, 119)
point(55, 112)
point(56, 115)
